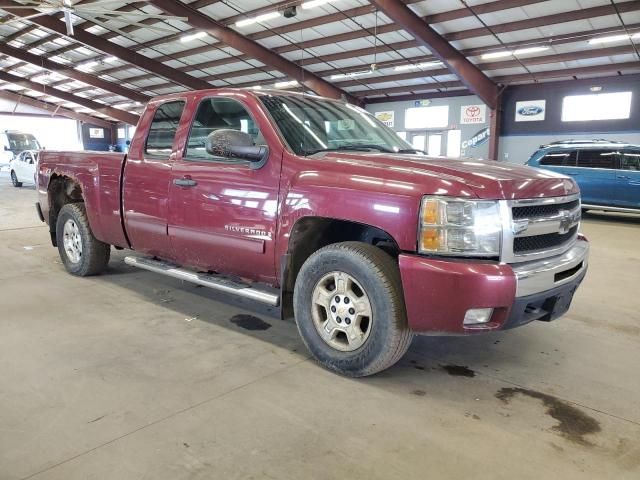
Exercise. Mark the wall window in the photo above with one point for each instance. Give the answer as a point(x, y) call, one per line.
point(598, 158)
point(454, 137)
point(564, 158)
point(426, 117)
point(163, 129)
point(600, 106)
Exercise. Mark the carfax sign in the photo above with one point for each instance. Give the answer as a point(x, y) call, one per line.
point(530, 110)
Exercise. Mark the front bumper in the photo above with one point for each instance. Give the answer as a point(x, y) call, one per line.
point(439, 292)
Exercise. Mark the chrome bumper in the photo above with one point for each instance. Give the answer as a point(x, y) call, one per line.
point(540, 275)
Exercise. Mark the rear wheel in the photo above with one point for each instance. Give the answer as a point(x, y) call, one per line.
point(81, 253)
point(349, 309)
point(14, 179)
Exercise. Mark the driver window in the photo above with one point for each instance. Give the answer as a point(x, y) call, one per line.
point(217, 114)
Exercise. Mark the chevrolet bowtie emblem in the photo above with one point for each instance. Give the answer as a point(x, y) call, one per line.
point(520, 226)
point(567, 220)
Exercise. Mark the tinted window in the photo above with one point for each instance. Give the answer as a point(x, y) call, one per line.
point(217, 114)
point(163, 129)
point(598, 158)
point(565, 158)
point(631, 159)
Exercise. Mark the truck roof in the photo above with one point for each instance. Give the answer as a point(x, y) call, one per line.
point(253, 91)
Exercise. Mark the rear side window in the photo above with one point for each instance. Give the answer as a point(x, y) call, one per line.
point(631, 159)
point(216, 114)
point(163, 129)
point(564, 158)
point(598, 158)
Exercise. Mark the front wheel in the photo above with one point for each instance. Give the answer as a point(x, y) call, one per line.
point(349, 309)
point(81, 253)
point(14, 179)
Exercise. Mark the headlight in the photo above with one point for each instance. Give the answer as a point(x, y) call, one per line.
point(454, 226)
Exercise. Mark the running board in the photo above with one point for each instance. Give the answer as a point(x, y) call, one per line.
point(213, 281)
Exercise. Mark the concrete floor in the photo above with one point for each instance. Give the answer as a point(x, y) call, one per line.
point(134, 376)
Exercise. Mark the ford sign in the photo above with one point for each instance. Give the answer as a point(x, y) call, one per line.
point(530, 110)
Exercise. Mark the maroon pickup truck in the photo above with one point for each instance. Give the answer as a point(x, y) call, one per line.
point(312, 205)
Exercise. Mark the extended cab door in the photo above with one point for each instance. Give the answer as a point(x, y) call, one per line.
point(629, 178)
point(147, 177)
point(223, 211)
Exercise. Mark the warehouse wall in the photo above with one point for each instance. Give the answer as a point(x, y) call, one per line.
point(519, 140)
point(455, 106)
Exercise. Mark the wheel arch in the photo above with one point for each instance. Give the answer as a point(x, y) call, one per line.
point(311, 233)
point(62, 189)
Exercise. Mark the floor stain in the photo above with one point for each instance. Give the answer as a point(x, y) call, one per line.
point(458, 370)
point(97, 419)
point(420, 393)
point(573, 423)
point(249, 322)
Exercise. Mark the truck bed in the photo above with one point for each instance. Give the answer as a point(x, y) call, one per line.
point(99, 176)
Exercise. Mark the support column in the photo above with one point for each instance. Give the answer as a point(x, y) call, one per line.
point(495, 119)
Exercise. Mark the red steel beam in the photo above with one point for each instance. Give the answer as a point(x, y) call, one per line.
point(249, 47)
point(110, 48)
point(59, 111)
point(69, 97)
point(471, 76)
point(70, 72)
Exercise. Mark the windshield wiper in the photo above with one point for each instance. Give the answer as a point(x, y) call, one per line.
point(355, 147)
point(411, 150)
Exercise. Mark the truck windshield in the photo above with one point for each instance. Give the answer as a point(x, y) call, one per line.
point(22, 141)
point(311, 125)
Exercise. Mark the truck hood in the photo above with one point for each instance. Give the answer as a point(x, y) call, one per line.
point(464, 178)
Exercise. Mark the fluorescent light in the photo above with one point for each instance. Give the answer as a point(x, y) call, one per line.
point(362, 73)
point(111, 59)
point(610, 39)
point(314, 3)
point(415, 66)
point(256, 87)
point(87, 66)
point(195, 36)
point(524, 51)
point(260, 18)
point(122, 105)
point(504, 53)
point(287, 84)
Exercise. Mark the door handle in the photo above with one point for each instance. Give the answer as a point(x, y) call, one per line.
point(573, 174)
point(185, 182)
point(623, 177)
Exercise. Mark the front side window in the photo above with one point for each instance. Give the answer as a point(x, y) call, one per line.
point(564, 158)
point(310, 125)
point(217, 114)
point(22, 141)
point(631, 159)
point(598, 158)
point(163, 129)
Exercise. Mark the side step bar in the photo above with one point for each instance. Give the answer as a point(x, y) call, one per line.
point(215, 282)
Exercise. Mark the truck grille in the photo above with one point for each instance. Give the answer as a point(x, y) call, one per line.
point(542, 242)
point(543, 210)
point(541, 228)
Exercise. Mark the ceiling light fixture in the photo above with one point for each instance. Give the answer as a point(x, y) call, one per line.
point(502, 54)
point(287, 84)
point(416, 66)
point(314, 3)
point(195, 36)
point(260, 18)
point(524, 51)
point(362, 73)
point(612, 38)
point(111, 59)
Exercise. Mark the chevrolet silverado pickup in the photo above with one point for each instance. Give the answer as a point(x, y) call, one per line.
point(313, 206)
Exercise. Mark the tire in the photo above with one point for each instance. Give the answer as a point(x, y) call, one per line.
point(14, 179)
point(82, 254)
point(381, 338)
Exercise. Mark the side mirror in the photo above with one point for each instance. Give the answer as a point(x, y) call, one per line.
point(127, 143)
point(6, 149)
point(234, 144)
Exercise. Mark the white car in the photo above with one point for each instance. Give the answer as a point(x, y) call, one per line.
point(23, 168)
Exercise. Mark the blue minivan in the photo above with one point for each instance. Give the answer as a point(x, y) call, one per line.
point(607, 172)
